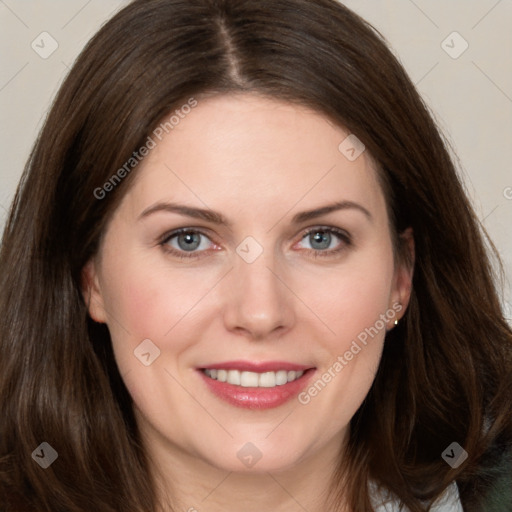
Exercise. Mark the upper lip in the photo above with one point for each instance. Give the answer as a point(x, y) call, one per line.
point(257, 367)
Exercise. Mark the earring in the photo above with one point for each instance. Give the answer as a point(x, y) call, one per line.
point(396, 322)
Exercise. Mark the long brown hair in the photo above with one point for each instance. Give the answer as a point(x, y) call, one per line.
point(445, 374)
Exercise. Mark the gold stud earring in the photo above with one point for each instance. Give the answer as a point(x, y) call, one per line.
point(396, 322)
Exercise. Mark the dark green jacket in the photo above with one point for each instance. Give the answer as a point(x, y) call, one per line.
point(493, 492)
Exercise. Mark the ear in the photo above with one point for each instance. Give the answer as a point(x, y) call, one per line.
point(404, 270)
point(91, 292)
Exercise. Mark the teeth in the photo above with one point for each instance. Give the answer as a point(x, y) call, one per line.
point(267, 380)
point(233, 377)
point(281, 377)
point(253, 379)
point(247, 379)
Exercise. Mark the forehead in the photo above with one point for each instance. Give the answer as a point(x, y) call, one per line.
point(253, 152)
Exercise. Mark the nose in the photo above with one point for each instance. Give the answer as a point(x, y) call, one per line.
point(258, 303)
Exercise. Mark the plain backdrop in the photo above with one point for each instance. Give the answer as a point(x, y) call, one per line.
point(457, 52)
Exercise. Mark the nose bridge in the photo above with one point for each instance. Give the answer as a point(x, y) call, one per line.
point(259, 302)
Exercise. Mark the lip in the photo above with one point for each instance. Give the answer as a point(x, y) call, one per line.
point(258, 367)
point(255, 397)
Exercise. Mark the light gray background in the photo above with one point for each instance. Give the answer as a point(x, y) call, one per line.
point(470, 96)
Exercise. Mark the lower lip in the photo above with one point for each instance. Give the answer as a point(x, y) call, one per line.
point(257, 398)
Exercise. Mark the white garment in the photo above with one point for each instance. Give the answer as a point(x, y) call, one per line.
point(448, 502)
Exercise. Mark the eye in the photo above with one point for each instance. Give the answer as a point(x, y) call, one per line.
point(185, 243)
point(322, 241)
point(192, 243)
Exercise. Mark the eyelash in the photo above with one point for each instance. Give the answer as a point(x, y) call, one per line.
point(342, 235)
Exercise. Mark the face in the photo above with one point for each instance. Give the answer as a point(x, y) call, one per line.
point(226, 262)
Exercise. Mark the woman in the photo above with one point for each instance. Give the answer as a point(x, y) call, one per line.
point(241, 272)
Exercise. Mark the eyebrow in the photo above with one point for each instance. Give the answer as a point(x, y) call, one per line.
point(217, 218)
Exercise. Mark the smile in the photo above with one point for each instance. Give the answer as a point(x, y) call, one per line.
point(251, 385)
point(254, 379)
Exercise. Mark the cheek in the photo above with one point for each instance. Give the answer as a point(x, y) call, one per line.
point(147, 300)
point(356, 305)
point(354, 297)
point(352, 305)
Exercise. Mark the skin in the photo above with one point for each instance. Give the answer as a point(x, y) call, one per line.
point(258, 162)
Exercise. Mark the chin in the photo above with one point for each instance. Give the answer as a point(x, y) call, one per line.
point(255, 454)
